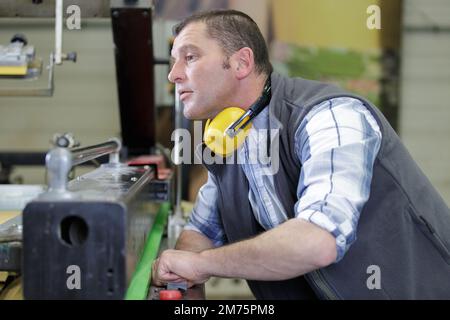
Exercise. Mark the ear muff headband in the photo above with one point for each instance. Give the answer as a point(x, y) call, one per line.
point(228, 130)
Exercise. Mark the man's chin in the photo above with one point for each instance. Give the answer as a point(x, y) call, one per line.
point(192, 115)
point(189, 116)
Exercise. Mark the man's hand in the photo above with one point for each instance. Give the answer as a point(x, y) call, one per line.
point(177, 266)
point(289, 250)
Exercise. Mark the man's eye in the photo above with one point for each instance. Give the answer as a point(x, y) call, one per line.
point(190, 58)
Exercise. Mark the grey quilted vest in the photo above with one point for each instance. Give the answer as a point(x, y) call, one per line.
point(404, 228)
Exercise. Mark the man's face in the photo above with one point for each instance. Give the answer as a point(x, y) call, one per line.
point(205, 85)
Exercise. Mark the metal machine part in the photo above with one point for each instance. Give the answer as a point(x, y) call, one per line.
point(10, 244)
point(132, 34)
point(65, 140)
point(60, 161)
point(10, 256)
point(13, 199)
point(11, 230)
point(96, 225)
point(176, 220)
point(101, 233)
point(16, 57)
point(33, 69)
point(196, 292)
point(177, 286)
point(59, 56)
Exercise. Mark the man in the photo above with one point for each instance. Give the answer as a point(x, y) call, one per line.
point(347, 215)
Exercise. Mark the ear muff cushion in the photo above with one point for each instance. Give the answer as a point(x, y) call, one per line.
point(215, 136)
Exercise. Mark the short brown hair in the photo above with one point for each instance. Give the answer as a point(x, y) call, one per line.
point(233, 30)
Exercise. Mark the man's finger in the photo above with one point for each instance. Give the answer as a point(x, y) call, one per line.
point(155, 279)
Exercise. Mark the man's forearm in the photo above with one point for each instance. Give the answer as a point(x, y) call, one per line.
point(294, 248)
point(193, 241)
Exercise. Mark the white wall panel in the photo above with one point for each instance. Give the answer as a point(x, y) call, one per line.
point(425, 89)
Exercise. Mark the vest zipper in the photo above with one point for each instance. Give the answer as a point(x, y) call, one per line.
point(321, 285)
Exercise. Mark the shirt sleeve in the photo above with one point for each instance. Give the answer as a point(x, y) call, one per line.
point(205, 217)
point(337, 143)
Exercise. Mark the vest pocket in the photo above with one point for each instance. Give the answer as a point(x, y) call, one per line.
point(430, 232)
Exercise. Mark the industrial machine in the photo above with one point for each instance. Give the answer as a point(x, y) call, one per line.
point(95, 236)
point(106, 225)
point(96, 224)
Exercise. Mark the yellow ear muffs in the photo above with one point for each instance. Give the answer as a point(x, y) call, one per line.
point(228, 130)
point(215, 136)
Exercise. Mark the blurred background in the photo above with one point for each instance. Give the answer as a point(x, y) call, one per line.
point(403, 67)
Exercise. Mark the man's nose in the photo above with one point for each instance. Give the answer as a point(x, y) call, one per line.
point(177, 74)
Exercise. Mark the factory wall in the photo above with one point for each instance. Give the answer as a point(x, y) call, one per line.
point(425, 89)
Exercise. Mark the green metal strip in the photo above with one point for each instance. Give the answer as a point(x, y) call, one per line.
point(140, 282)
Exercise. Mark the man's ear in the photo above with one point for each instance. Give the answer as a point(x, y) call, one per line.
point(243, 62)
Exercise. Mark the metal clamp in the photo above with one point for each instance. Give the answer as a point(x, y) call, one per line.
point(59, 161)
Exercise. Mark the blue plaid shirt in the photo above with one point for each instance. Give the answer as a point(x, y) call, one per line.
point(336, 143)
